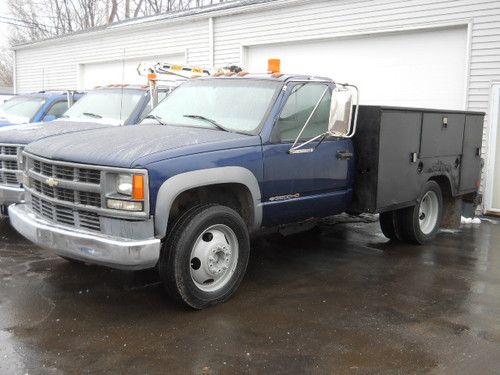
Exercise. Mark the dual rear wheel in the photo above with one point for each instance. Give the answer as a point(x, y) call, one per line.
point(417, 224)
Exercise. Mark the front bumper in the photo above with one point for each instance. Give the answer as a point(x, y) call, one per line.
point(9, 195)
point(86, 246)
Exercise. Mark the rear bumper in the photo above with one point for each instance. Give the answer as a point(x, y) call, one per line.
point(86, 246)
point(9, 195)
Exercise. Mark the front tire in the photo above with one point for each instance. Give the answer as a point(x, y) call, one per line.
point(419, 224)
point(205, 256)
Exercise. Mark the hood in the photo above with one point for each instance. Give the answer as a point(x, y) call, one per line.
point(135, 146)
point(27, 133)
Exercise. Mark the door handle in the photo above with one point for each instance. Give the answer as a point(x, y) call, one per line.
point(344, 155)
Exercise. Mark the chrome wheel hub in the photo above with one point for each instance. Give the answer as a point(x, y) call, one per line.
point(214, 258)
point(428, 212)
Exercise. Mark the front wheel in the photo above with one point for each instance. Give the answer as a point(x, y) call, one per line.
point(205, 256)
point(419, 224)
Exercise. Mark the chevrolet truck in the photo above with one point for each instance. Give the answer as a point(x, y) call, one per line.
point(38, 107)
point(223, 158)
point(114, 105)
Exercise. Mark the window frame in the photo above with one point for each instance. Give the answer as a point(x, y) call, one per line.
point(276, 133)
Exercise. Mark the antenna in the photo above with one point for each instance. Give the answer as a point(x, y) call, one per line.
point(123, 82)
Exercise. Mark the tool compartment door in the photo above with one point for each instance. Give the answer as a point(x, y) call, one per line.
point(470, 169)
point(397, 173)
point(442, 134)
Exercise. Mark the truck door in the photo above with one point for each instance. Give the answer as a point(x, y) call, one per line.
point(316, 181)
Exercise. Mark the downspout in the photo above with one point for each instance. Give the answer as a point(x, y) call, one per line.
point(14, 73)
point(211, 44)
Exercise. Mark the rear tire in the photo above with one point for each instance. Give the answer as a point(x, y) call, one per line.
point(387, 225)
point(419, 224)
point(205, 256)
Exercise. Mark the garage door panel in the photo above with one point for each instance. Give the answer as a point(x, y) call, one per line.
point(114, 72)
point(417, 69)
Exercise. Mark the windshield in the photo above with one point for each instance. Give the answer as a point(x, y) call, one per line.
point(21, 109)
point(237, 105)
point(112, 107)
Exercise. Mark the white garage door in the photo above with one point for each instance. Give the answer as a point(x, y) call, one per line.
point(415, 69)
point(115, 72)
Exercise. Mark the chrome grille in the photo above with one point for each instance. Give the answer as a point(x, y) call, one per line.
point(65, 215)
point(63, 172)
point(74, 194)
point(10, 172)
point(64, 194)
point(68, 195)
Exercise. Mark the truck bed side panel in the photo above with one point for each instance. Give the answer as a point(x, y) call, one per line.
point(470, 170)
point(398, 149)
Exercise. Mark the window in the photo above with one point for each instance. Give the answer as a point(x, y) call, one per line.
point(110, 106)
point(21, 108)
point(149, 106)
point(237, 104)
point(298, 108)
point(58, 109)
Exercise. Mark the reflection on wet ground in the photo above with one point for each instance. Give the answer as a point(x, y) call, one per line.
point(344, 300)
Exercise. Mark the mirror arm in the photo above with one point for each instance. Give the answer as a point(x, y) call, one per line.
point(294, 146)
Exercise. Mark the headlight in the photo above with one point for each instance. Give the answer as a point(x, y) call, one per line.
point(124, 184)
point(127, 192)
point(117, 204)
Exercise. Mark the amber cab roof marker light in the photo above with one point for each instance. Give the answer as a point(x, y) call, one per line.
point(274, 66)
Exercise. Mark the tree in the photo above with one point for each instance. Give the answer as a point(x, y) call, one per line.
point(6, 69)
point(33, 20)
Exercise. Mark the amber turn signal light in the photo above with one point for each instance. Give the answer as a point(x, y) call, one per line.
point(138, 187)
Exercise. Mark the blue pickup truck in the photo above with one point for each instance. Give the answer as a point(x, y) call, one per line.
point(108, 106)
point(223, 158)
point(42, 106)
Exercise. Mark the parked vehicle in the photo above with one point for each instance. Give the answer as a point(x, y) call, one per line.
point(109, 106)
point(222, 158)
point(42, 106)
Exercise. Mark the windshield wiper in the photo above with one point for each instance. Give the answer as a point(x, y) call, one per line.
point(91, 115)
point(213, 122)
point(157, 118)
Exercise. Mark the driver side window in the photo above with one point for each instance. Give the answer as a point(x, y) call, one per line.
point(297, 109)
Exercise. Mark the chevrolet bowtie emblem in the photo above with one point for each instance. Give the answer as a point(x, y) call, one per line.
point(52, 182)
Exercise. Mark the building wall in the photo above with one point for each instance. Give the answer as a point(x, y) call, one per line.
point(56, 66)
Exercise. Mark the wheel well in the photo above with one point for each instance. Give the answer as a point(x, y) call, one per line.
point(452, 207)
point(234, 195)
point(445, 185)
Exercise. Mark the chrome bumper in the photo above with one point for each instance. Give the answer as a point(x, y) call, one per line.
point(85, 246)
point(9, 195)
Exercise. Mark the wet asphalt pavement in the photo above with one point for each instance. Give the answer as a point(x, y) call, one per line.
point(344, 301)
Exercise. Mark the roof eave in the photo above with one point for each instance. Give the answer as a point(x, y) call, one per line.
point(153, 21)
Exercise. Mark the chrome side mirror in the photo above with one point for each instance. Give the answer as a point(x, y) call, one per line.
point(342, 109)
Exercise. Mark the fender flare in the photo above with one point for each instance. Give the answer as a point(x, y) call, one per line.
point(180, 183)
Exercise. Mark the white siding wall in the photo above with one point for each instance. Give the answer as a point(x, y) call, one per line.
point(56, 66)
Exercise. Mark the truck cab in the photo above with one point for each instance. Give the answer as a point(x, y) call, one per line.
point(42, 106)
point(218, 160)
point(113, 105)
